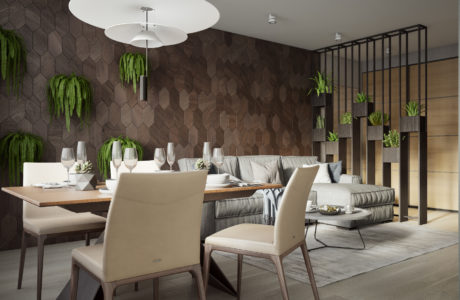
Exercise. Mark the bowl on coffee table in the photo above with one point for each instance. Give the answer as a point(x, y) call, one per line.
point(330, 210)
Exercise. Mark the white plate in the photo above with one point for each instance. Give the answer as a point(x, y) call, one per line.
point(105, 191)
point(218, 186)
point(50, 185)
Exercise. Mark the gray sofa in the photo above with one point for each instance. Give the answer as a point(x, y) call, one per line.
point(225, 213)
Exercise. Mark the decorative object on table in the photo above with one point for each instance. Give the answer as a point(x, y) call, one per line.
point(117, 156)
point(330, 210)
point(13, 58)
point(104, 155)
point(200, 164)
point(170, 155)
point(85, 179)
point(17, 148)
point(67, 160)
point(362, 105)
point(131, 66)
point(159, 157)
point(68, 95)
point(391, 142)
point(218, 158)
point(130, 158)
point(81, 152)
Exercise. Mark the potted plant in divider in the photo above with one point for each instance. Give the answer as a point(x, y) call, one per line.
point(85, 179)
point(322, 90)
point(332, 144)
point(391, 142)
point(412, 122)
point(377, 128)
point(362, 106)
point(345, 127)
point(319, 132)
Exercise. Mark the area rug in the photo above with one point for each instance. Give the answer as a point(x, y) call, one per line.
point(386, 244)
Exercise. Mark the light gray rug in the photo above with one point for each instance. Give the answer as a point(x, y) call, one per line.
point(386, 244)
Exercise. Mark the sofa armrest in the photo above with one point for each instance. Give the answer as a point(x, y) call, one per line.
point(347, 178)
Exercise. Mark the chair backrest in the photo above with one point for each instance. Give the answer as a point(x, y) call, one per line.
point(41, 173)
point(153, 224)
point(290, 221)
point(143, 166)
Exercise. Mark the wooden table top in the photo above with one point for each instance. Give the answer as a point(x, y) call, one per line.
point(68, 196)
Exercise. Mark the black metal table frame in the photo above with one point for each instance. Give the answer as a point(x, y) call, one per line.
point(324, 245)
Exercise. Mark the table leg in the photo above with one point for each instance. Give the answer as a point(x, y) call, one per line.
point(324, 245)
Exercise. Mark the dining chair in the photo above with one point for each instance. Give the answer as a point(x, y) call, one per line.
point(271, 242)
point(143, 166)
point(153, 230)
point(48, 222)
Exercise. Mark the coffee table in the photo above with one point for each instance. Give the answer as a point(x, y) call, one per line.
point(358, 214)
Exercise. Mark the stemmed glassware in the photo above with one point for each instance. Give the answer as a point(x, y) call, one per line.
point(207, 154)
point(81, 152)
point(68, 160)
point(130, 158)
point(159, 157)
point(116, 156)
point(218, 158)
point(170, 156)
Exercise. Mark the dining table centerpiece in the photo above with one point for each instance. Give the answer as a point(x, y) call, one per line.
point(85, 179)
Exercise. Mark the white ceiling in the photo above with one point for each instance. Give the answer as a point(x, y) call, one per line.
point(311, 24)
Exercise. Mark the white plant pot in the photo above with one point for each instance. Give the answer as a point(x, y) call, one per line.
point(85, 182)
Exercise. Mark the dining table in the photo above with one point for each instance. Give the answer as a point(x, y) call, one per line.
point(96, 202)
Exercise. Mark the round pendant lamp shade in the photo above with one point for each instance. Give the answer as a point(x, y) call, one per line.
point(187, 15)
point(136, 35)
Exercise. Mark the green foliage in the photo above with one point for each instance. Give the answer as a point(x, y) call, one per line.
point(131, 67)
point(376, 118)
point(333, 136)
point(361, 98)
point(69, 94)
point(412, 109)
point(346, 118)
point(391, 139)
point(319, 122)
point(323, 84)
point(12, 59)
point(17, 148)
point(84, 168)
point(104, 155)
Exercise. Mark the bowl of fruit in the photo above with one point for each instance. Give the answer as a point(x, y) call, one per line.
point(329, 210)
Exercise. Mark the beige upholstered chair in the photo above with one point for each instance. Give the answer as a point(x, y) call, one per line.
point(45, 222)
point(143, 166)
point(272, 242)
point(153, 230)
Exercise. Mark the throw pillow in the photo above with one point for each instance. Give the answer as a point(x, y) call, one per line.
point(268, 173)
point(335, 170)
point(323, 173)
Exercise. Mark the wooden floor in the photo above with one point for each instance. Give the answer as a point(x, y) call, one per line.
point(431, 276)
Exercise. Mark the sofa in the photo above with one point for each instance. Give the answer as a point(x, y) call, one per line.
point(221, 214)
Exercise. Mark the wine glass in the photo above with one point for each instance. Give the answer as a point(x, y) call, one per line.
point(171, 156)
point(67, 160)
point(81, 152)
point(207, 154)
point(116, 156)
point(159, 157)
point(218, 158)
point(130, 158)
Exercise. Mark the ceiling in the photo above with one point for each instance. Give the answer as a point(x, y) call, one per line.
point(311, 24)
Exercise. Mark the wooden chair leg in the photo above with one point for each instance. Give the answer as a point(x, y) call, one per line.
point(239, 275)
point(206, 264)
point(197, 274)
point(22, 259)
point(136, 286)
point(280, 270)
point(108, 289)
point(311, 276)
point(74, 281)
point(156, 288)
point(40, 251)
point(87, 239)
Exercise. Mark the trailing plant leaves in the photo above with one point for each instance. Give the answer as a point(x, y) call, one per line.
point(69, 94)
point(131, 66)
point(104, 155)
point(12, 60)
point(16, 149)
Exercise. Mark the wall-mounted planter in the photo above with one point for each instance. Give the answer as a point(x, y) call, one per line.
point(345, 131)
point(321, 100)
point(331, 148)
point(375, 133)
point(363, 109)
point(319, 134)
point(412, 124)
point(390, 155)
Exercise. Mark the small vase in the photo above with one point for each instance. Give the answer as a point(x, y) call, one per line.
point(85, 182)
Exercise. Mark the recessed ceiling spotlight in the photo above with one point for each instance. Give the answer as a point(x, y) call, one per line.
point(271, 19)
point(338, 37)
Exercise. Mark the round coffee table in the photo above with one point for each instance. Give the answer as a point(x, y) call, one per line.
point(358, 214)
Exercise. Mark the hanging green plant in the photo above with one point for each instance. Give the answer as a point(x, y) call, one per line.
point(131, 67)
point(104, 155)
point(17, 148)
point(12, 59)
point(69, 94)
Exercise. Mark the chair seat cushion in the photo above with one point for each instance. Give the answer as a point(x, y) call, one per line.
point(68, 222)
point(90, 258)
point(249, 237)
